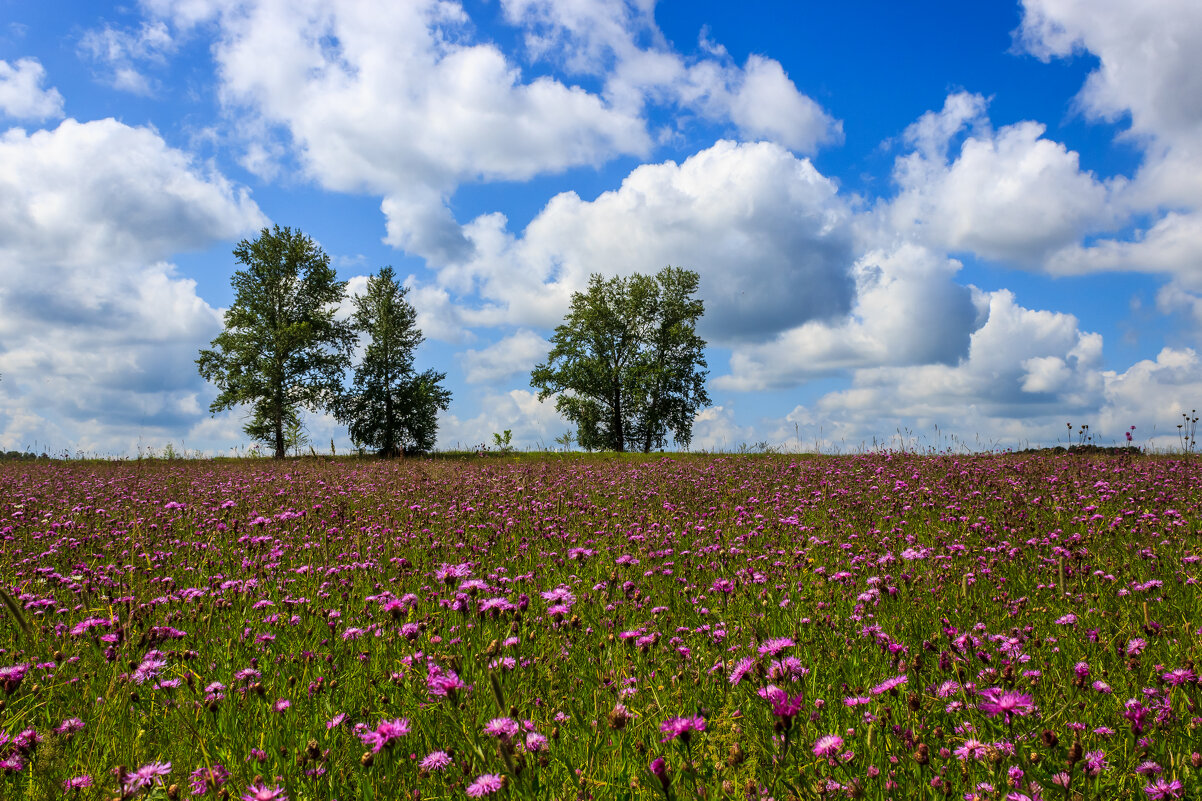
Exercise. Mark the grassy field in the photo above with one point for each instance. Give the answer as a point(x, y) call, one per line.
point(880, 626)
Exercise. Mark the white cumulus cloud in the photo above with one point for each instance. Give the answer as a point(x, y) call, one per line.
point(21, 94)
point(98, 332)
point(766, 231)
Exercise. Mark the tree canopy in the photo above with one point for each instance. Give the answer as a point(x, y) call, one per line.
point(391, 408)
point(282, 348)
point(627, 364)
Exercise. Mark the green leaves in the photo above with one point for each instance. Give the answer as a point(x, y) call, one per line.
point(391, 408)
point(627, 363)
point(282, 349)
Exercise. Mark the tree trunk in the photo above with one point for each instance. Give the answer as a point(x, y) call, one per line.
point(280, 451)
point(618, 435)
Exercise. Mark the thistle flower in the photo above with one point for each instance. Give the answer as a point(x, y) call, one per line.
point(1005, 703)
point(742, 669)
point(145, 776)
point(70, 726)
point(1161, 790)
point(385, 733)
point(774, 646)
point(1179, 676)
point(205, 780)
point(1095, 762)
point(972, 749)
point(828, 746)
point(681, 727)
point(659, 769)
point(486, 784)
point(435, 760)
point(260, 792)
point(889, 685)
point(502, 728)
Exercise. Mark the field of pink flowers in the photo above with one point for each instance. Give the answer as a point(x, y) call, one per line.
point(887, 626)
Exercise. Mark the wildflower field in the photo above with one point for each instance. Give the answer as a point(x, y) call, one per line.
point(884, 626)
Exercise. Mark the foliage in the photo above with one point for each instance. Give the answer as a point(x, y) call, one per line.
point(503, 442)
point(627, 363)
point(391, 408)
point(282, 348)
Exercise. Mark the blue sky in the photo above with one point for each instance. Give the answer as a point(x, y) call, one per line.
point(957, 224)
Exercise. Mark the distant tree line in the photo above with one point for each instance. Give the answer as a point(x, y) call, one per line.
point(626, 366)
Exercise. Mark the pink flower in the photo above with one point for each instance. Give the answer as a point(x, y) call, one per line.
point(742, 669)
point(889, 685)
point(146, 775)
point(435, 760)
point(1005, 703)
point(260, 792)
point(385, 733)
point(972, 749)
point(1161, 790)
point(681, 727)
point(828, 745)
point(775, 646)
point(485, 784)
point(502, 728)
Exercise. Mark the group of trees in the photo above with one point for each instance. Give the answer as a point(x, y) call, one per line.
point(626, 366)
point(284, 349)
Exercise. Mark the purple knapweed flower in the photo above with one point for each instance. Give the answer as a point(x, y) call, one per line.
point(206, 780)
point(828, 746)
point(502, 728)
point(486, 784)
point(385, 733)
point(261, 792)
point(681, 727)
point(889, 685)
point(1005, 703)
point(435, 760)
point(1161, 790)
point(774, 646)
point(146, 775)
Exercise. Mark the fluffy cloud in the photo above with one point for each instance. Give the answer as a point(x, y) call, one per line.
point(1150, 60)
point(1149, 75)
point(908, 311)
point(21, 93)
point(954, 409)
point(400, 101)
point(396, 100)
point(1152, 395)
point(1009, 195)
point(766, 231)
point(510, 356)
point(620, 43)
point(100, 333)
point(1024, 370)
point(533, 424)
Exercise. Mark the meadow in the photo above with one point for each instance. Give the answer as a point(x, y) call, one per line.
point(566, 626)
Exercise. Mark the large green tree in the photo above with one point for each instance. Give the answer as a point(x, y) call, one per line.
point(391, 408)
point(282, 348)
point(627, 365)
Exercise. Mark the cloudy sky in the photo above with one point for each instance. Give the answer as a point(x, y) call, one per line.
point(962, 224)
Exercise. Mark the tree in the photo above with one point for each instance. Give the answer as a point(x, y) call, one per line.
point(282, 348)
point(391, 408)
point(627, 363)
